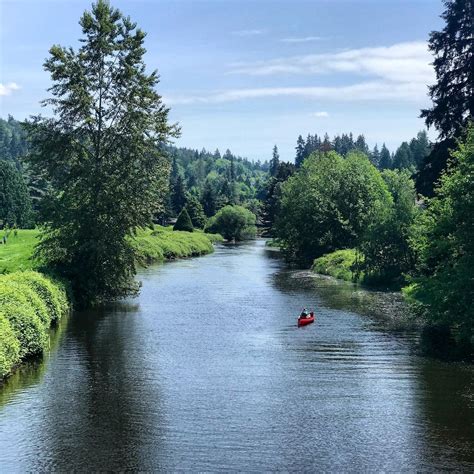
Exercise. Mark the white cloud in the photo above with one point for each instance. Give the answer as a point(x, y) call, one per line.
point(402, 62)
point(7, 89)
point(399, 72)
point(365, 91)
point(304, 39)
point(320, 114)
point(245, 33)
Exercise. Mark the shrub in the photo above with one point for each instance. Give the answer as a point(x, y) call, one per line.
point(9, 347)
point(184, 222)
point(339, 264)
point(53, 295)
point(27, 295)
point(233, 222)
point(27, 327)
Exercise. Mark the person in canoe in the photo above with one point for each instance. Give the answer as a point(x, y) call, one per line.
point(304, 314)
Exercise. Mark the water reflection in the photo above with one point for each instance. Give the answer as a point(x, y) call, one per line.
point(207, 371)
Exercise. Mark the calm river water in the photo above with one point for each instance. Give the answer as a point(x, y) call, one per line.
point(207, 371)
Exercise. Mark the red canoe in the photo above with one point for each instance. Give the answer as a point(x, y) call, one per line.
point(305, 321)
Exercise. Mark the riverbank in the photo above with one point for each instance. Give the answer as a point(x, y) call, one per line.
point(31, 302)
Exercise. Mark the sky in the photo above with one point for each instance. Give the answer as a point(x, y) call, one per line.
point(247, 75)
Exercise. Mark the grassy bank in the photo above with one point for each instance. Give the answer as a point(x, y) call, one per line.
point(339, 264)
point(151, 245)
point(162, 243)
point(30, 303)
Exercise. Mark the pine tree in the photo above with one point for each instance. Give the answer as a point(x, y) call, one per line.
point(184, 222)
point(375, 156)
point(326, 145)
point(178, 194)
point(209, 199)
point(453, 93)
point(274, 162)
point(196, 212)
point(300, 152)
point(403, 158)
point(385, 158)
point(361, 145)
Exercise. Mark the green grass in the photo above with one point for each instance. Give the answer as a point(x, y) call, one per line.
point(338, 264)
point(16, 255)
point(159, 244)
point(162, 243)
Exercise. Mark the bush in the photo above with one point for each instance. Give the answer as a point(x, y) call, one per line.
point(9, 347)
point(184, 222)
point(24, 294)
point(233, 222)
point(339, 264)
point(27, 327)
point(53, 295)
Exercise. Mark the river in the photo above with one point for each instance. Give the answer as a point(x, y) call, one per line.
point(207, 371)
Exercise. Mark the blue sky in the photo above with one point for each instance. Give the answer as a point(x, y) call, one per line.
point(246, 75)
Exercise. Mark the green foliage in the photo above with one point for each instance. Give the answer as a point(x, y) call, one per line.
point(385, 243)
point(29, 303)
point(214, 179)
point(102, 153)
point(233, 223)
point(52, 296)
point(271, 203)
point(328, 204)
point(9, 347)
point(184, 222)
point(15, 201)
point(160, 243)
point(342, 264)
point(444, 243)
point(196, 212)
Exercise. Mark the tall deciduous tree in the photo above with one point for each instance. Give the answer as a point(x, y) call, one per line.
point(445, 247)
point(101, 153)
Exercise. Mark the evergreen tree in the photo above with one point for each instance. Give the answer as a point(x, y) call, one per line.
point(178, 195)
point(375, 156)
point(361, 145)
point(420, 147)
point(326, 144)
point(209, 200)
point(15, 202)
point(102, 153)
point(184, 222)
point(300, 152)
point(453, 93)
point(196, 212)
point(274, 162)
point(385, 158)
point(403, 158)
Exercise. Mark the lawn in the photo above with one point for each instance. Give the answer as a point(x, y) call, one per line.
point(16, 254)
